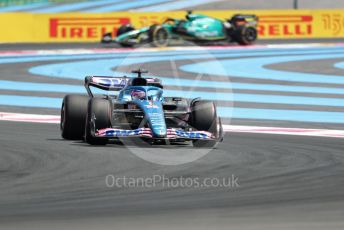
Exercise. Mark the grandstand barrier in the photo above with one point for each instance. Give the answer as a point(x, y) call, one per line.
point(85, 27)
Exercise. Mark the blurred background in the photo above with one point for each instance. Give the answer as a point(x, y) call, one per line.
point(55, 6)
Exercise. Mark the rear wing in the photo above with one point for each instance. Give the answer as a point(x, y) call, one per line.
point(115, 83)
point(154, 82)
point(105, 83)
point(245, 17)
point(240, 19)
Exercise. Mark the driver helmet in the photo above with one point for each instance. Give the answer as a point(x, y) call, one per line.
point(188, 14)
point(138, 94)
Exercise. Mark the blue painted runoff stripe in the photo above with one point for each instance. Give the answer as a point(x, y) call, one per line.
point(41, 87)
point(29, 101)
point(240, 113)
point(282, 115)
point(45, 87)
point(77, 70)
point(124, 54)
point(199, 54)
point(258, 98)
point(260, 51)
point(63, 88)
point(254, 68)
point(125, 6)
point(219, 96)
point(339, 65)
point(28, 7)
point(213, 84)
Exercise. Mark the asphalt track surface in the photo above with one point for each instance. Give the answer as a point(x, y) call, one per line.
point(285, 182)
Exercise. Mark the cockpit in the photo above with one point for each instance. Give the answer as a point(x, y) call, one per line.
point(133, 93)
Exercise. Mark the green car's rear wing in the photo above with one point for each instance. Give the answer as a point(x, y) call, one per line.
point(240, 19)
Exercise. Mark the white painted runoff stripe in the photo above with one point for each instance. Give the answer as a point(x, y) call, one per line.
point(32, 118)
point(53, 119)
point(8, 53)
point(285, 131)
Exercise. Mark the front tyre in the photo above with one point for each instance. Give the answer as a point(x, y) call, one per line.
point(98, 117)
point(246, 35)
point(204, 118)
point(73, 116)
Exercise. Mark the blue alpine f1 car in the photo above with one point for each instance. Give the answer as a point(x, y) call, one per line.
point(140, 111)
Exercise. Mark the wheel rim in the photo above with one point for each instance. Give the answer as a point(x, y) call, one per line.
point(251, 34)
point(161, 37)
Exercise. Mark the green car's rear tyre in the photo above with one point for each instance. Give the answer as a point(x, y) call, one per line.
point(159, 36)
point(246, 35)
point(98, 117)
point(73, 116)
point(204, 118)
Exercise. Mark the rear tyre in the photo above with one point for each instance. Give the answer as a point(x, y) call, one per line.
point(125, 29)
point(204, 118)
point(73, 116)
point(98, 117)
point(159, 36)
point(246, 35)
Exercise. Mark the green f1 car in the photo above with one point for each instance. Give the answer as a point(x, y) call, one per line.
point(196, 28)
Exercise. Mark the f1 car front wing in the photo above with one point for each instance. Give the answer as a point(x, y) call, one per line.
point(147, 133)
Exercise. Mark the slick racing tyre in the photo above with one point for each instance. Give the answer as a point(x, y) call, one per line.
point(245, 35)
point(159, 36)
point(122, 30)
point(98, 117)
point(73, 116)
point(204, 118)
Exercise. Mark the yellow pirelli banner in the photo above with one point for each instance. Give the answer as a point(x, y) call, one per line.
point(83, 27)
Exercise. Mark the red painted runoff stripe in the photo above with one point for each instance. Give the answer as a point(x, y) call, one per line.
point(53, 119)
